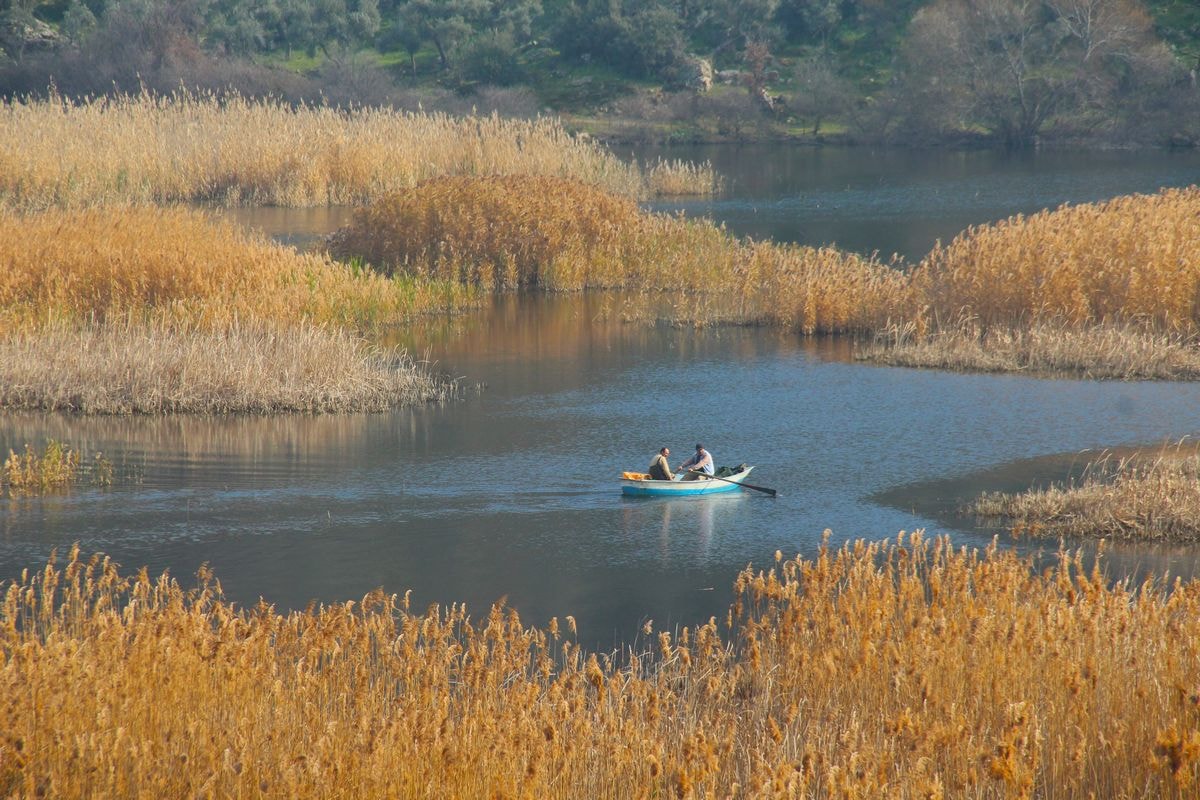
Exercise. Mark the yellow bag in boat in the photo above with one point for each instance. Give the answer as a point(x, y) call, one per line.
point(635, 476)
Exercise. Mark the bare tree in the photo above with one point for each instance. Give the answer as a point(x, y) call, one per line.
point(1013, 65)
point(820, 91)
point(1102, 27)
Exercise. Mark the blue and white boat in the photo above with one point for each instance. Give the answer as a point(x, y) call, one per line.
point(640, 484)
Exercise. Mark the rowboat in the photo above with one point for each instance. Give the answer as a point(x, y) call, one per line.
point(640, 484)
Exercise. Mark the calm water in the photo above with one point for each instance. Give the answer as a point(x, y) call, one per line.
point(902, 201)
point(512, 493)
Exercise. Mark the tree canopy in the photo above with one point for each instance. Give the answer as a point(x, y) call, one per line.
point(1013, 69)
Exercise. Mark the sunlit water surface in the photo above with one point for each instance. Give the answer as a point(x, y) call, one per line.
point(512, 492)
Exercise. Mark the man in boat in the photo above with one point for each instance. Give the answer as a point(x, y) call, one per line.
point(702, 461)
point(660, 468)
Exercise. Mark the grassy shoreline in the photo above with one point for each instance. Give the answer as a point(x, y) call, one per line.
point(901, 667)
point(1140, 497)
point(140, 369)
point(1043, 349)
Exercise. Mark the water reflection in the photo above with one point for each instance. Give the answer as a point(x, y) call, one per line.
point(513, 492)
point(686, 526)
point(902, 201)
point(258, 451)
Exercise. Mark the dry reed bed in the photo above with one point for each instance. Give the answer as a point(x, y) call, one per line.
point(1135, 497)
point(158, 369)
point(1105, 290)
point(144, 310)
point(235, 151)
point(899, 669)
point(505, 232)
point(1108, 289)
point(1102, 351)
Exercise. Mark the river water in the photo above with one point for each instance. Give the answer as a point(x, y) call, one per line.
point(511, 493)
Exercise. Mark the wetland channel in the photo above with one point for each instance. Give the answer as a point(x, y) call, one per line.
point(512, 492)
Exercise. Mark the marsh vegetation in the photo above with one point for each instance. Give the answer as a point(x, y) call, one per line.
point(229, 150)
point(1149, 496)
point(165, 309)
point(903, 666)
point(55, 466)
point(1104, 289)
point(145, 310)
point(556, 234)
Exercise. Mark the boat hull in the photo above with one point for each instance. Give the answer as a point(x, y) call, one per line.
point(647, 488)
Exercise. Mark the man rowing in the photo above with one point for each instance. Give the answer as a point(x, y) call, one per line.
point(702, 461)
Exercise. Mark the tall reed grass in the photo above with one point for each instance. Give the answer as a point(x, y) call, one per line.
point(557, 234)
point(233, 151)
point(143, 310)
point(137, 368)
point(1132, 259)
point(1139, 497)
point(1125, 271)
point(676, 178)
point(186, 267)
point(1107, 290)
point(901, 669)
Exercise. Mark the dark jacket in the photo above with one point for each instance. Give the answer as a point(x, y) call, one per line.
point(660, 470)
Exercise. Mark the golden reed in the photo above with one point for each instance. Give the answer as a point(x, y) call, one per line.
point(1133, 259)
point(55, 466)
point(1109, 287)
point(505, 232)
point(145, 310)
point(229, 150)
point(902, 668)
point(1141, 497)
point(185, 267)
point(1105, 290)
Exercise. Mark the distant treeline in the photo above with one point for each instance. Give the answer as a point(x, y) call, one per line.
point(917, 71)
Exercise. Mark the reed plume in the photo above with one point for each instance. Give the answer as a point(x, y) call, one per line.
point(904, 667)
point(557, 234)
point(231, 151)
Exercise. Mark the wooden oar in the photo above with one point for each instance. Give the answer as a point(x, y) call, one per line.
point(762, 489)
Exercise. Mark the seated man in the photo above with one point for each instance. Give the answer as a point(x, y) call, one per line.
point(702, 461)
point(660, 468)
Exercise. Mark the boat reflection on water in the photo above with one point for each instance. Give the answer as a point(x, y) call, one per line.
point(686, 527)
